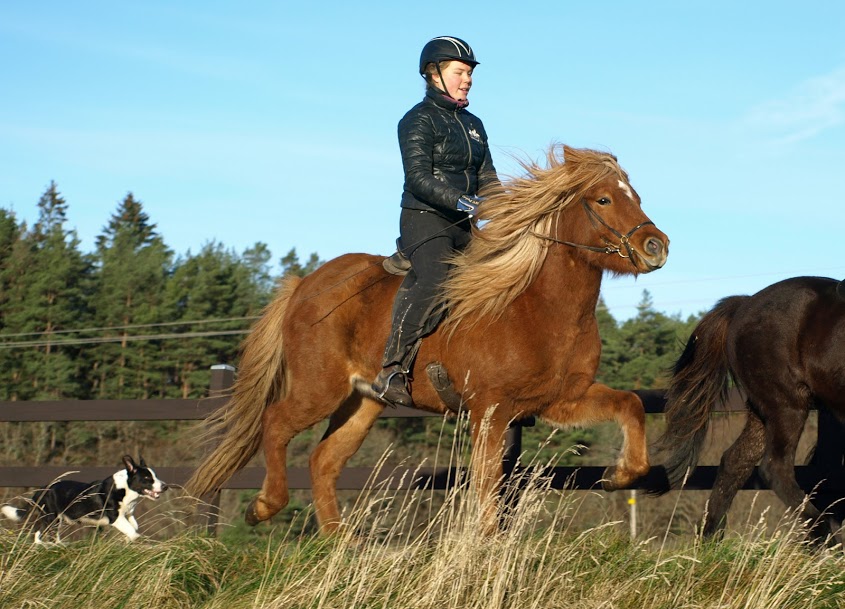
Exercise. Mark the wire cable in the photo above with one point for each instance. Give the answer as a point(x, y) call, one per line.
point(118, 339)
point(133, 326)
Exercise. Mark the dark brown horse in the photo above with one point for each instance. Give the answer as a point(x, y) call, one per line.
point(520, 337)
point(784, 347)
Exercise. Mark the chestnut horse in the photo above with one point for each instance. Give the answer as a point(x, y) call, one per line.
point(784, 347)
point(520, 335)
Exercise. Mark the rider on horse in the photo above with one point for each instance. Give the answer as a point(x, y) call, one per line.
point(446, 161)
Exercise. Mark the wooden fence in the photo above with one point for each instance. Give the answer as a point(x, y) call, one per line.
point(826, 464)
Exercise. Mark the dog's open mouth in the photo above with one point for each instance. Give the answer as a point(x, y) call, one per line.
point(152, 494)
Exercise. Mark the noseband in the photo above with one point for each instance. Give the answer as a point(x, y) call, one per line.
point(610, 248)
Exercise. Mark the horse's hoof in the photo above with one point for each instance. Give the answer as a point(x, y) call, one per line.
point(257, 512)
point(614, 478)
point(250, 516)
point(608, 479)
point(260, 510)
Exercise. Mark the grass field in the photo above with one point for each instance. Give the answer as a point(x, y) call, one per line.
point(404, 550)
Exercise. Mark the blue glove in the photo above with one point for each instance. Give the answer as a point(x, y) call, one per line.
point(469, 204)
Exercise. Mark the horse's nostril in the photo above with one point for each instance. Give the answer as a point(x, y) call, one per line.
point(654, 246)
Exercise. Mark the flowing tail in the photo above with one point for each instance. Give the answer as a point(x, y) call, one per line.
point(700, 380)
point(260, 381)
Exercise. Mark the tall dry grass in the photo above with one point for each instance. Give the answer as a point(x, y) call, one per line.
point(417, 550)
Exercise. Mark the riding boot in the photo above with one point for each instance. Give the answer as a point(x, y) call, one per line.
point(392, 386)
point(415, 314)
point(393, 383)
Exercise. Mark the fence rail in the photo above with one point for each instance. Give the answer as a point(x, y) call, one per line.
point(828, 456)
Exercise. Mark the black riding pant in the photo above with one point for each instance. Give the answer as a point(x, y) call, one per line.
point(427, 239)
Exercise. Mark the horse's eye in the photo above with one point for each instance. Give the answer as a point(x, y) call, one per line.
point(604, 201)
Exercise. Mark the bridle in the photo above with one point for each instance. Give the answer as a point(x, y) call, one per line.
point(610, 248)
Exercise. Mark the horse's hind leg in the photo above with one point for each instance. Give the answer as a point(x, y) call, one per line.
point(783, 430)
point(278, 429)
point(734, 469)
point(348, 427)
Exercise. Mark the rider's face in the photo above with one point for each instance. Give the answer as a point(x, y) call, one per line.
point(457, 79)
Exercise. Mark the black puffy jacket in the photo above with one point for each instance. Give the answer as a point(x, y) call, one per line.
point(444, 155)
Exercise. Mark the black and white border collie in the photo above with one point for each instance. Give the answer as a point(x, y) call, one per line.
point(110, 501)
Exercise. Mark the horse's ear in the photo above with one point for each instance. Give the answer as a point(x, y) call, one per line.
point(129, 463)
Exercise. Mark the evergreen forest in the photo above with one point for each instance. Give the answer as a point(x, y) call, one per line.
point(135, 320)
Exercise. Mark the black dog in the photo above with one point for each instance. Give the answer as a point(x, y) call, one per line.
point(110, 501)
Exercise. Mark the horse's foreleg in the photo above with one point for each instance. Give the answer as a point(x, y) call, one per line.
point(734, 469)
point(348, 428)
point(488, 436)
point(599, 404)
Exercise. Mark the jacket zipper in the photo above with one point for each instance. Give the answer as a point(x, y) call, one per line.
point(469, 148)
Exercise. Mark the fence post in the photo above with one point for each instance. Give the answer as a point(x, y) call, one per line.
point(222, 378)
point(208, 510)
point(513, 448)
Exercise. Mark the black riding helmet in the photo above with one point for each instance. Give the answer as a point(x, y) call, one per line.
point(444, 48)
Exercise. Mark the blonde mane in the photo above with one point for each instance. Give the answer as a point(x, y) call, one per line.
point(502, 260)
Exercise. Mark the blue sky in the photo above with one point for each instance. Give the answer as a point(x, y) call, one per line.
point(276, 121)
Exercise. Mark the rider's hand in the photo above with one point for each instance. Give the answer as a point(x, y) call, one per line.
point(469, 204)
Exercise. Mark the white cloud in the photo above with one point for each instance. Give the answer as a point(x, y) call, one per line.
point(814, 106)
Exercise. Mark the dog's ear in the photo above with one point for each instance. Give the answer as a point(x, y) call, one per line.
point(129, 463)
point(141, 459)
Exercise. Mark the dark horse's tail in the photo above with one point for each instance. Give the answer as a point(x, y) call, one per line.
point(700, 380)
point(260, 382)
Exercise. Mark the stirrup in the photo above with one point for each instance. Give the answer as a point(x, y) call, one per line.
point(404, 399)
point(396, 263)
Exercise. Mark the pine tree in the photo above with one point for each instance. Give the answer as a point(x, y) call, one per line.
point(45, 278)
point(10, 246)
point(611, 344)
point(10, 234)
point(213, 285)
point(292, 266)
point(254, 279)
point(133, 264)
point(651, 342)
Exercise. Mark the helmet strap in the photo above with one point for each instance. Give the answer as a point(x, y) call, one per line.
point(462, 103)
point(442, 81)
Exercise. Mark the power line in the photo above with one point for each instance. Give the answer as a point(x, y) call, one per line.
point(118, 339)
point(726, 278)
point(132, 326)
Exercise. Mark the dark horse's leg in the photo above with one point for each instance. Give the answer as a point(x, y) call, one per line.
point(734, 469)
point(784, 424)
point(828, 462)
